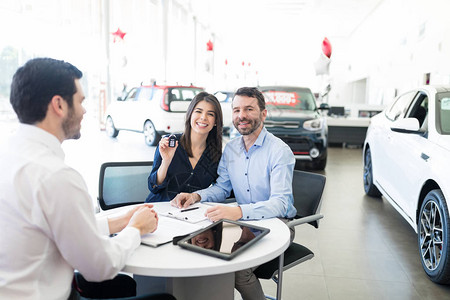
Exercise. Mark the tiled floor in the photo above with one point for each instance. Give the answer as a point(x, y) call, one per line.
point(363, 248)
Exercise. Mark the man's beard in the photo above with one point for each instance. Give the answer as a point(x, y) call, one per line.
point(254, 124)
point(71, 126)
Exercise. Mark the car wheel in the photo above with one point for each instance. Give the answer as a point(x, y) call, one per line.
point(150, 134)
point(434, 237)
point(111, 131)
point(369, 187)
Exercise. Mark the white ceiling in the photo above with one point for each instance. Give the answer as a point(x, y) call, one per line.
point(277, 34)
point(332, 18)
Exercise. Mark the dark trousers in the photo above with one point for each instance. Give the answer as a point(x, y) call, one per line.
point(122, 286)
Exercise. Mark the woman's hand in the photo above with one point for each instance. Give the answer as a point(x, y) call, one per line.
point(167, 152)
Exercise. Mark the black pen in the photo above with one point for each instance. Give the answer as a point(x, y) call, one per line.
point(188, 209)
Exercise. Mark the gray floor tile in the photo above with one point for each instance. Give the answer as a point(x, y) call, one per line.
point(344, 288)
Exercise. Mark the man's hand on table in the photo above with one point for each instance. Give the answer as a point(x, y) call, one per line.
point(145, 219)
point(218, 212)
point(117, 224)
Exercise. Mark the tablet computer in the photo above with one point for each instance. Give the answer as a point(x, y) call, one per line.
point(224, 239)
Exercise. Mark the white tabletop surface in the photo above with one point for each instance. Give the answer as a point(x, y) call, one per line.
point(173, 261)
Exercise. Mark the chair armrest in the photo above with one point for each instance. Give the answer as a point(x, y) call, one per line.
point(303, 220)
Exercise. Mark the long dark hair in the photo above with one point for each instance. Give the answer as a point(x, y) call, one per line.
point(214, 139)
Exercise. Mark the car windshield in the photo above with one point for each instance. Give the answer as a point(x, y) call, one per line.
point(290, 98)
point(443, 112)
point(183, 94)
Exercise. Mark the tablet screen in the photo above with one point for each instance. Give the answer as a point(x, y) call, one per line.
point(224, 239)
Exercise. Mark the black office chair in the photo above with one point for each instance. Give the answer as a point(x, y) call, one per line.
point(307, 189)
point(120, 184)
point(123, 183)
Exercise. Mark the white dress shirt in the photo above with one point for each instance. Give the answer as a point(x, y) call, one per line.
point(47, 221)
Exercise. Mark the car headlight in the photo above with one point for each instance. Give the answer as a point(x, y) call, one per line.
point(313, 125)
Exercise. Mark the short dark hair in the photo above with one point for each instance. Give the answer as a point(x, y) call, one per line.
point(37, 82)
point(214, 139)
point(252, 92)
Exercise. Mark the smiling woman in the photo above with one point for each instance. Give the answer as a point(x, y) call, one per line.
point(192, 164)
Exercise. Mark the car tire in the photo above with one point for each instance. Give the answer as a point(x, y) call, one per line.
point(111, 131)
point(370, 189)
point(434, 237)
point(150, 134)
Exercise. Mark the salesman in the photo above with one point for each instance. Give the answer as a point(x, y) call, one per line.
point(47, 221)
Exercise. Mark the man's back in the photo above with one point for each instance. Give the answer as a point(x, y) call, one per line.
point(28, 162)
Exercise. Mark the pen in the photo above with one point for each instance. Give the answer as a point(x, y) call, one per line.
point(188, 209)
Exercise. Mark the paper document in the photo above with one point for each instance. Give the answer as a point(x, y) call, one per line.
point(168, 228)
point(174, 222)
point(192, 214)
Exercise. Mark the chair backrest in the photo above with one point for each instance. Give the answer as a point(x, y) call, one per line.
point(123, 183)
point(307, 189)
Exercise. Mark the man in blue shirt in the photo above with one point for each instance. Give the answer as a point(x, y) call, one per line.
point(258, 167)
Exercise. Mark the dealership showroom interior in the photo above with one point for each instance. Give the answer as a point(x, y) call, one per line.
point(358, 90)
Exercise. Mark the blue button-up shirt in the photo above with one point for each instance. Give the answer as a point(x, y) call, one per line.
point(261, 178)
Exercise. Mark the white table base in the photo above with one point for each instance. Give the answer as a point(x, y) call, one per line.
point(218, 287)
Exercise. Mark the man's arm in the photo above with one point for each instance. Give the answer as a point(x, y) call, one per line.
point(216, 193)
point(70, 222)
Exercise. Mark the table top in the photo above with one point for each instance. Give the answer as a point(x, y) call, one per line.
point(173, 261)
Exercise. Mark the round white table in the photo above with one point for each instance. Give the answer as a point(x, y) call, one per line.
point(191, 275)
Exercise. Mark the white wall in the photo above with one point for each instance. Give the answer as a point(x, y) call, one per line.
point(393, 49)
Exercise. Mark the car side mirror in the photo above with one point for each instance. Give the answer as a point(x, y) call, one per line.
point(406, 125)
point(119, 99)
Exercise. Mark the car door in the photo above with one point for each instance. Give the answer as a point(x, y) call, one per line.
point(123, 111)
point(407, 163)
point(142, 109)
point(383, 150)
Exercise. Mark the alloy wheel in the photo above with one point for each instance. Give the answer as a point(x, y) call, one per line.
point(431, 235)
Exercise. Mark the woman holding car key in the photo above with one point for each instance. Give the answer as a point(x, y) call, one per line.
point(188, 162)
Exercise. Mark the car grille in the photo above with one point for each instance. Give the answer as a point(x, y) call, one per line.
point(283, 124)
point(298, 145)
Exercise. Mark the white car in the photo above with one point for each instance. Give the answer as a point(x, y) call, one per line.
point(407, 161)
point(153, 110)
